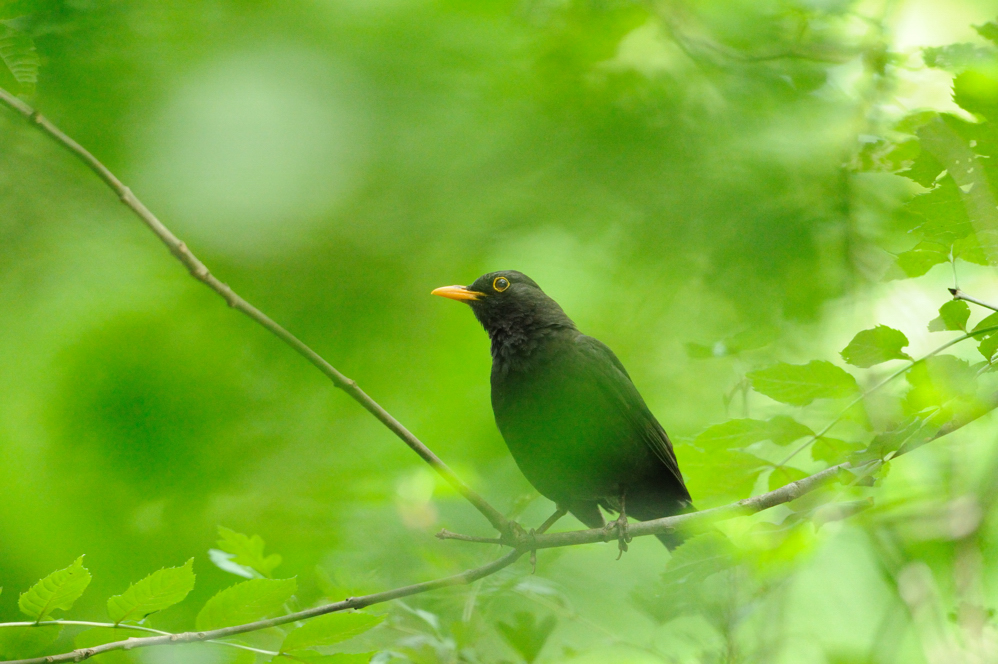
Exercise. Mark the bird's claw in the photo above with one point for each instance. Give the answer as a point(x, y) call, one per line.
point(619, 527)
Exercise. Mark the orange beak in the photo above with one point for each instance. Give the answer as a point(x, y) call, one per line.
point(457, 293)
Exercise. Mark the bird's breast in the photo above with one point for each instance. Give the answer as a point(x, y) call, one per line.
point(560, 427)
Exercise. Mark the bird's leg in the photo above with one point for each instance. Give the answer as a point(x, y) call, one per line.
point(551, 520)
point(620, 525)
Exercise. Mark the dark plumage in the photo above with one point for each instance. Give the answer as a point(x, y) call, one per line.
point(572, 419)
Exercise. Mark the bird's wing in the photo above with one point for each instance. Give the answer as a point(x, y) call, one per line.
point(615, 382)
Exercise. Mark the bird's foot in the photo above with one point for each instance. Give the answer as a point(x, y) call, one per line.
point(619, 528)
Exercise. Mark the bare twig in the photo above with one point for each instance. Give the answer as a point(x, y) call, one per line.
point(200, 272)
point(960, 295)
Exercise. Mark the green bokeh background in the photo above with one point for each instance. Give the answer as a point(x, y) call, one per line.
point(334, 162)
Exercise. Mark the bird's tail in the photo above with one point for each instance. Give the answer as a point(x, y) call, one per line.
point(671, 540)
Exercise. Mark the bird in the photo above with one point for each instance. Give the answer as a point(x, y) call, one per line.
point(569, 413)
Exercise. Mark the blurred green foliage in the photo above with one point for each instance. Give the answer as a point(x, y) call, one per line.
point(724, 192)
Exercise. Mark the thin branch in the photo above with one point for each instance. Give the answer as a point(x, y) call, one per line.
point(960, 295)
point(138, 628)
point(351, 603)
point(200, 272)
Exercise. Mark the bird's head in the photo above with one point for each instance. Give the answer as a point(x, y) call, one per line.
point(508, 300)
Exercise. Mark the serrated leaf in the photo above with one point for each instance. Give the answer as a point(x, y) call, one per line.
point(888, 442)
point(937, 381)
point(247, 551)
point(832, 450)
point(989, 31)
point(784, 475)
point(944, 218)
point(312, 657)
point(952, 316)
point(916, 262)
point(876, 345)
point(739, 433)
point(329, 629)
point(799, 385)
point(976, 90)
point(23, 642)
point(17, 51)
point(526, 634)
point(987, 322)
point(245, 602)
point(57, 591)
point(154, 593)
point(988, 346)
point(956, 57)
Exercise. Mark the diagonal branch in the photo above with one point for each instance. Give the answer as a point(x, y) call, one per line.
point(200, 272)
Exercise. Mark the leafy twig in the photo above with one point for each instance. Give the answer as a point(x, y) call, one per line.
point(900, 372)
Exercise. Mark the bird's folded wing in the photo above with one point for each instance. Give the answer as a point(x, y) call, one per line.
point(616, 383)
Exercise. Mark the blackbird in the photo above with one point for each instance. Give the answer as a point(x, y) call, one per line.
point(572, 419)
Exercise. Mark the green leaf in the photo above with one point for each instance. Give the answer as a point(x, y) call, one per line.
point(799, 385)
point(988, 342)
point(739, 433)
point(956, 57)
point(154, 593)
point(988, 346)
point(937, 381)
point(718, 476)
point(832, 450)
point(784, 475)
point(888, 442)
point(989, 31)
point(247, 551)
point(680, 590)
point(312, 657)
point(329, 629)
point(952, 316)
point(944, 217)
point(22, 642)
point(874, 346)
point(916, 262)
point(59, 590)
point(17, 51)
point(526, 635)
point(976, 90)
point(245, 602)
point(986, 322)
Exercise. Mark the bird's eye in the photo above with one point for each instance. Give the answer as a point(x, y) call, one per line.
point(500, 284)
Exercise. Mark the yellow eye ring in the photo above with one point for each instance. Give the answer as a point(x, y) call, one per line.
point(500, 284)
